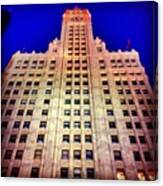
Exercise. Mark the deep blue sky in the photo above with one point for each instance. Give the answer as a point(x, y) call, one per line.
point(32, 27)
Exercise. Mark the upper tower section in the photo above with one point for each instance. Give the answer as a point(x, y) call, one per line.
point(76, 26)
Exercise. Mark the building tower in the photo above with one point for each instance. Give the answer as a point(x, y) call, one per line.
point(78, 110)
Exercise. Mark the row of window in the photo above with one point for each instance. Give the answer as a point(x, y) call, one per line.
point(28, 83)
point(33, 74)
point(133, 82)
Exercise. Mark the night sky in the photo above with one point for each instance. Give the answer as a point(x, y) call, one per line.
point(121, 25)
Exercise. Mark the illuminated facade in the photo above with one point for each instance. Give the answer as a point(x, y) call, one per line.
point(78, 110)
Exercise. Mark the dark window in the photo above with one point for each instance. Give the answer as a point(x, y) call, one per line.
point(88, 139)
point(122, 101)
point(128, 125)
point(26, 124)
point(77, 154)
point(132, 139)
point(48, 91)
point(66, 124)
point(145, 112)
point(76, 91)
point(112, 124)
point(35, 172)
point(142, 139)
point(4, 124)
point(49, 83)
point(67, 112)
point(8, 154)
point(87, 124)
point(19, 154)
point(125, 113)
point(40, 138)
point(138, 125)
point(90, 173)
point(77, 138)
point(23, 101)
point(4, 101)
point(29, 112)
point(85, 91)
point(23, 138)
point(20, 112)
point(14, 172)
point(64, 172)
point(34, 92)
point(12, 102)
point(114, 139)
point(68, 92)
point(16, 124)
point(8, 112)
point(106, 91)
point(87, 112)
point(13, 138)
point(137, 156)
point(117, 155)
point(134, 112)
point(89, 155)
point(43, 124)
point(110, 112)
point(46, 101)
point(77, 101)
point(147, 156)
point(130, 101)
point(66, 139)
point(44, 112)
point(108, 101)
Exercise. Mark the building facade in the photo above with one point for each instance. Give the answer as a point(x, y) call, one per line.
point(78, 110)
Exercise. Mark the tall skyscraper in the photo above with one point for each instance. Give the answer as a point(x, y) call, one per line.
point(78, 110)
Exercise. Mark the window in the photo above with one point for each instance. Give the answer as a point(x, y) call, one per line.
point(16, 124)
point(68, 92)
point(87, 125)
point(66, 139)
point(14, 172)
point(86, 101)
point(67, 112)
point(145, 112)
point(76, 91)
point(40, 138)
point(8, 112)
point(77, 172)
point(38, 154)
point(106, 91)
point(90, 173)
point(49, 83)
point(136, 155)
point(13, 138)
point(23, 138)
point(142, 139)
point(65, 154)
point(26, 124)
point(114, 139)
point(128, 91)
point(4, 171)
point(48, 91)
point(128, 125)
point(110, 113)
point(77, 101)
point(77, 112)
point(122, 101)
point(66, 124)
point(20, 112)
point(35, 172)
point(11, 83)
point(77, 154)
point(34, 92)
point(64, 172)
point(120, 91)
point(117, 155)
point(112, 124)
point(77, 138)
point(85, 91)
point(19, 154)
point(104, 82)
point(137, 91)
point(87, 112)
point(7, 92)
point(47, 101)
point(88, 139)
point(43, 124)
point(29, 83)
point(23, 101)
point(4, 124)
point(12, 102)
point(108, 101)
point(68, 101)
point(29, 112)
point(89, 155)
point(32, 101)
point(26, 92)
point(138, 125)
point(8, 154)
point(125, 113)
point(44, 112)
point(4, 101)
point(132, 139)
point(130, 101)
point(134, 112)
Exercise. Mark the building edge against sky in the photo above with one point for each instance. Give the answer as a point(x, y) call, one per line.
point(78, 110)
